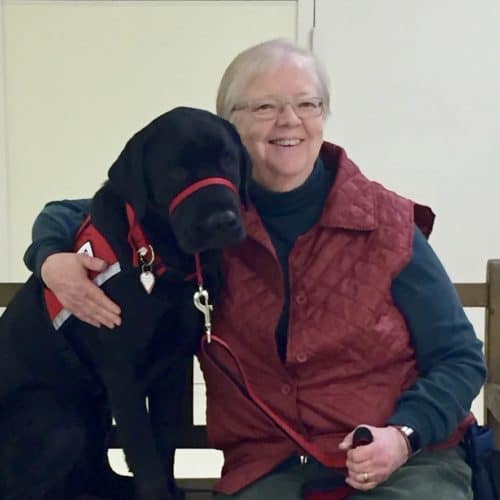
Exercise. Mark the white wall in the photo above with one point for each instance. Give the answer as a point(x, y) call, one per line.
point(82, 76)
point(416, 87)
point(4, 264)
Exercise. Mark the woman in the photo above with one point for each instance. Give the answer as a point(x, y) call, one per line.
point(335, 305)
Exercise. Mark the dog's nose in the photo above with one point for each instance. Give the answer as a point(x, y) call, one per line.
point(220, 222)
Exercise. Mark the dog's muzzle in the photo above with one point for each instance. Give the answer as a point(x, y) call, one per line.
point(210, 227)
point(221, 222)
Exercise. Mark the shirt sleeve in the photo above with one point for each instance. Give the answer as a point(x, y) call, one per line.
point(449, 355)
point(54, 230)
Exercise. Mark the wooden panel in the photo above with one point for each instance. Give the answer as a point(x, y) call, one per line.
point(7, 291)
point(485, 295)
point(193, 437)
point(473, 294)
point(197, 489)
point(492, 341)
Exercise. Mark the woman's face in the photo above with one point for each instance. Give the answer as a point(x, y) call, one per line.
point(283, 149)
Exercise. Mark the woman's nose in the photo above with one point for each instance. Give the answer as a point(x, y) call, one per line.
point(288, 116)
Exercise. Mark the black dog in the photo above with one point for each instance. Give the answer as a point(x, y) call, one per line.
point(173, 191)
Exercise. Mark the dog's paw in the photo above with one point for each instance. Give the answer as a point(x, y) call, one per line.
point(179, 494)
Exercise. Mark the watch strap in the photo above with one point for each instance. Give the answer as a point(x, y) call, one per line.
point(411, 438)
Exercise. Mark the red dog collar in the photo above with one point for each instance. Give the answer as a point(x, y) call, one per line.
point(196, 186)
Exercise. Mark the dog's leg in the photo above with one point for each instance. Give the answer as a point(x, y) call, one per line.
point(167, 411)
point(136, 435)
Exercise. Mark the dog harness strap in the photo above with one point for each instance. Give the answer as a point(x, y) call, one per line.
point(138, 240)
point(196, 186)
point(89, 241)
point(136, 237)
point(334, 460)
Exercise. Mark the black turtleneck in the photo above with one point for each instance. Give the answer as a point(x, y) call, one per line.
point(287, 215)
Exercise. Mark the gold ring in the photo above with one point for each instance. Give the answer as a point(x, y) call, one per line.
point(365, 477)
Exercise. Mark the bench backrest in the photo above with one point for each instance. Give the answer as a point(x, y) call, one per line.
point(484, 295)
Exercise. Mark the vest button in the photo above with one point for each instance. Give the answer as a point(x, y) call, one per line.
point(301, 298)
point(301, 358)
point(286, 389)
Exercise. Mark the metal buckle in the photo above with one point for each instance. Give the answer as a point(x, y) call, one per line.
point(201, 302)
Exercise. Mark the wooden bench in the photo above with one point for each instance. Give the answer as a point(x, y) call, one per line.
point(484, 295)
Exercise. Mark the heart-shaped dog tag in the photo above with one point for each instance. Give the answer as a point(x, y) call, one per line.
point(147, 280)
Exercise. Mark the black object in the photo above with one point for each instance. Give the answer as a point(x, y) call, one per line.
point(362, 436)
point(484, 460)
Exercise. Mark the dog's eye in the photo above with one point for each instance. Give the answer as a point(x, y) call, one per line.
point(228, 159)
point(178, 173)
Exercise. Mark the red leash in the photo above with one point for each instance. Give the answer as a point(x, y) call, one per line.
point(334, 460)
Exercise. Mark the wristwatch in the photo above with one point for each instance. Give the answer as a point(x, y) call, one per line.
point(412, 438)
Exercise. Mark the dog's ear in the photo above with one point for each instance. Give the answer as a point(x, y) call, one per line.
point(126, 176)
point(245, 163)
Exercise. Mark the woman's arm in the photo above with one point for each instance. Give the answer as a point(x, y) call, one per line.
point(50, 256)
point(53, 231)
point(449, 355)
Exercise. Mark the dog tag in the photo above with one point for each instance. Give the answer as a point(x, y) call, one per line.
point(147, 280)
point(146, 277)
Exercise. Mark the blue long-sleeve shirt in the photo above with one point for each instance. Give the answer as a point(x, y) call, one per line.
point(449, 356)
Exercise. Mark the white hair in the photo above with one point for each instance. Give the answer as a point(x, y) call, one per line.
point(260, 59)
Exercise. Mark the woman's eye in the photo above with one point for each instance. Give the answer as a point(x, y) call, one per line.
point(307, 104)
point(265, 106)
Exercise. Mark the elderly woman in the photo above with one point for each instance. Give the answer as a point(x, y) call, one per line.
point(335, 305)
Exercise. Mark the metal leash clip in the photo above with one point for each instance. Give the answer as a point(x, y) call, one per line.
point(201, 302)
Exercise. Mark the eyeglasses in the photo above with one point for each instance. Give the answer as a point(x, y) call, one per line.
point(270, 107)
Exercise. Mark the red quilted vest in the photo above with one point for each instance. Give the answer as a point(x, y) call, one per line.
point(349, 355)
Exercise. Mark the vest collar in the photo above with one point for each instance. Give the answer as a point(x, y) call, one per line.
point(351, 203)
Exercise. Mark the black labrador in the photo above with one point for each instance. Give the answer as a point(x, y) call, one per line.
point(174, 191)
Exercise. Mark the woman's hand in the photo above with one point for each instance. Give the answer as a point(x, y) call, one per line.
point(372, 464)
point(66, 274)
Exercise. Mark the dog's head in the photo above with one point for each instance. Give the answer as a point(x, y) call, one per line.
point(190, 167)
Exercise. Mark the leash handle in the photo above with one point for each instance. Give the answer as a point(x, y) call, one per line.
point(362, 436)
